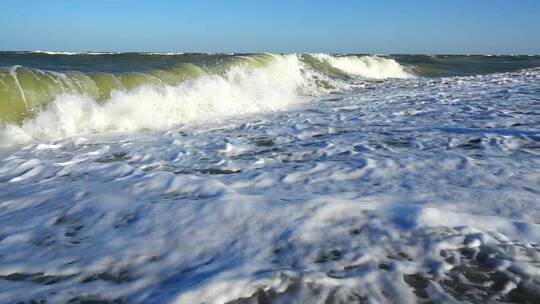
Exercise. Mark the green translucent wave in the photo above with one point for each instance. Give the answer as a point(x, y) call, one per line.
point(24, 91)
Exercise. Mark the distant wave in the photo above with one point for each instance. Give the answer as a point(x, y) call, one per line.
point(102, 53)
point(164, 53)
point(73, 53)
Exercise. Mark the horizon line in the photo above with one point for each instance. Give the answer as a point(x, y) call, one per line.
point(102, 52)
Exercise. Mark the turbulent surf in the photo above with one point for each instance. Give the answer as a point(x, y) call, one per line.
point(269, 178)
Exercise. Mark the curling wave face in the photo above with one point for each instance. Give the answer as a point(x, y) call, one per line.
point(50, 105)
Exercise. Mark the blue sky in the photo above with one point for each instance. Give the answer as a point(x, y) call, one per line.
point(338, 26)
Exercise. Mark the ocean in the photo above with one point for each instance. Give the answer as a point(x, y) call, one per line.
point(269, 178)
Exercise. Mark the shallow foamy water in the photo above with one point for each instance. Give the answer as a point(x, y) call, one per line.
point(401, 190)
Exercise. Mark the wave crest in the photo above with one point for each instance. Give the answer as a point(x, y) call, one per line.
point(367, 66)
point(48, 105)
point(240, 90)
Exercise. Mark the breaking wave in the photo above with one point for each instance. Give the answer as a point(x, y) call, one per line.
point(49, 105)
point(367, 66)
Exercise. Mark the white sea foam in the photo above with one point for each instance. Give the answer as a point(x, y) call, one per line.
point(405, 191)
point(367, 66)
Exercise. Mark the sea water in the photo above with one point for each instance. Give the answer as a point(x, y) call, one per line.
point(301, 178)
